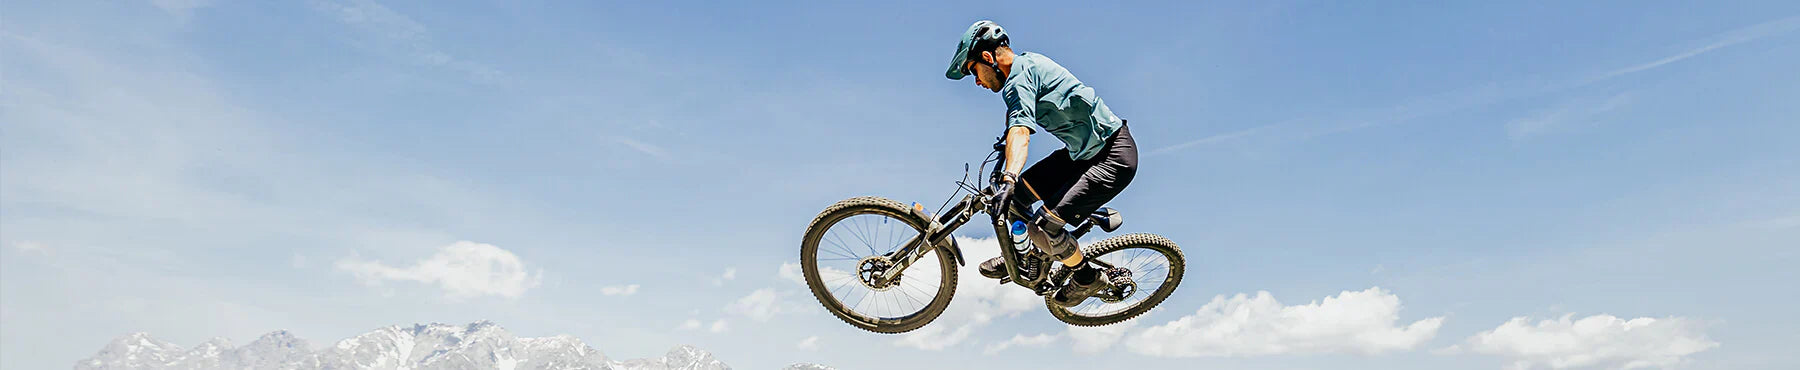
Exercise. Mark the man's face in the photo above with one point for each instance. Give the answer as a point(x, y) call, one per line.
point(984, 75)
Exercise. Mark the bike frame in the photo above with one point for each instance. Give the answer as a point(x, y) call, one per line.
point(938, 234)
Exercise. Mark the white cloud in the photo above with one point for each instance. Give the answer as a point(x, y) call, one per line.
point(1020, 340)
point(1594, 341)
point(979, 300)
point(718, 326)
point(619, 290)
point(1351, 322)
point(809, 344)
point(462, 269)
point(730, 273)
point(763, 304)
point(690, 324)
point(791, 272)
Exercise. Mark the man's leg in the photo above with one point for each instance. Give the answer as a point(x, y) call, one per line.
point(1117, 165)
point(1048, 179)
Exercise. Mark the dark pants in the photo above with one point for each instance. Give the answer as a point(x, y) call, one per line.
point(1073, 189)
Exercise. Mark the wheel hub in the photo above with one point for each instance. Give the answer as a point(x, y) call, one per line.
point(870, 271)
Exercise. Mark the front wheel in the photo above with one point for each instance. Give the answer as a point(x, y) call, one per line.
point(852, 242)
point(1156, 265)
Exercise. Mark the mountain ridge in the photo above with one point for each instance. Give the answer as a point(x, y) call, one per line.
point(477, 345)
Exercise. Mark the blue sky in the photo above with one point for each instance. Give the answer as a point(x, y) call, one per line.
point(197, 169)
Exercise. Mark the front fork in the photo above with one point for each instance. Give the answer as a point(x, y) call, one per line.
point(938, 233)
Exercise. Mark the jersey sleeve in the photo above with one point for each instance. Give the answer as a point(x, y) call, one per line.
point(1021, 101)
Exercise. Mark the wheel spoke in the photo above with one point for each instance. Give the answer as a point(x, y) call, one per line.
point(859, 301)
point(835, 253)
point(842, 244)
point(904, 290)
point(860, 236)
point(885, 225)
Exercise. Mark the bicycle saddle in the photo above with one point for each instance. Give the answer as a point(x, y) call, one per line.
point(1107, 218)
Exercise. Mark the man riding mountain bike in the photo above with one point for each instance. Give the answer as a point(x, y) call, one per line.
point(1099, 158)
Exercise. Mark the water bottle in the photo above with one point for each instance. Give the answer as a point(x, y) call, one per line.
point(1018, 233)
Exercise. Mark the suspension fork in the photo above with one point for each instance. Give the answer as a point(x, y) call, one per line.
point(936, 234)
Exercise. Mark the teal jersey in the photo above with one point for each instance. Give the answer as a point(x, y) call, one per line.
point(1039, 92)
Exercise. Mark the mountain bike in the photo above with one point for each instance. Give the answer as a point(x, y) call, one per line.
point(882, 266)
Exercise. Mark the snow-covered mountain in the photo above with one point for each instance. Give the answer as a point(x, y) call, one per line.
point(481, 345)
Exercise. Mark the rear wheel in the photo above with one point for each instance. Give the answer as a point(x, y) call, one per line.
point(851, 243)
point(1156, 267)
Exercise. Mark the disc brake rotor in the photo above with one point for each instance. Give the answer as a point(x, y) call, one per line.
point(1123, 286)
point(870, 269)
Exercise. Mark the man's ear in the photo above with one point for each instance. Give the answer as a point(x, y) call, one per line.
point(989, 57)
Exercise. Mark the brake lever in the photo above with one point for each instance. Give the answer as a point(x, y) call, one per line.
point(1003, 193)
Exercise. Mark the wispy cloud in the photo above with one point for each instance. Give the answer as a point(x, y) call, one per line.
point(1569, 113)
point(31, 247)
point(619, 290)
point(1778, 223)
point(1476, 96)
point(1733, 37)
point(1210, 140)
point(391, 31)
point(642, 147)
point(181, 9)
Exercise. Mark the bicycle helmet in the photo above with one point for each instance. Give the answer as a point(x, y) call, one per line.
point(982, 36)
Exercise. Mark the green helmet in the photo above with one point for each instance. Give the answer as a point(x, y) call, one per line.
point(982, 36)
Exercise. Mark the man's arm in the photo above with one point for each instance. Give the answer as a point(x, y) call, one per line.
point(1021, 114)
point(1018, 140)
